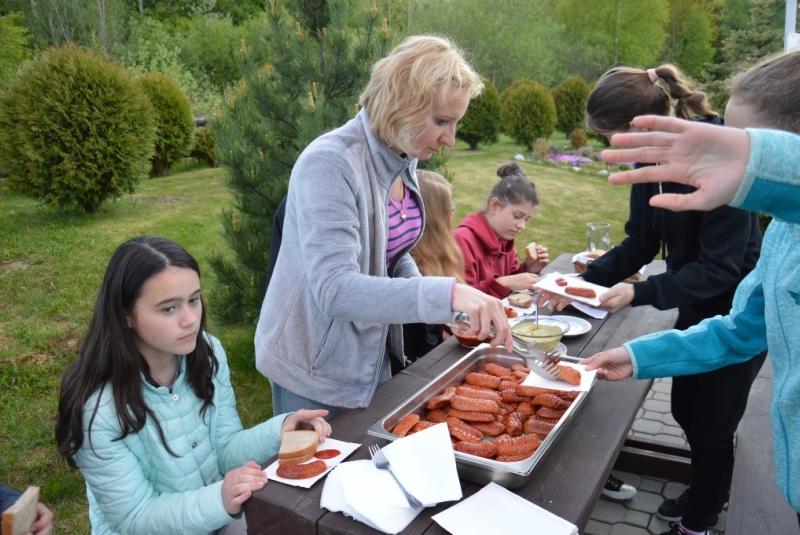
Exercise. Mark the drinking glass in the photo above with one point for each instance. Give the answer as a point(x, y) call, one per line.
point(598, 236)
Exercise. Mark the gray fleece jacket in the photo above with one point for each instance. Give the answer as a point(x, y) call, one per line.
point(332, 302)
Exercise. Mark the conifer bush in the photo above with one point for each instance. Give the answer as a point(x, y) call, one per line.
point(75, 130)
point(173, 118)
point(481, 122)
point(541, 148)
point(577, 138)
point(527, 111)
point(203, 148)
point(570, 100)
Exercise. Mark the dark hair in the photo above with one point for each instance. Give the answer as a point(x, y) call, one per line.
point(514, 187)
point(770, 89)
point(623, 93)
point(108, 355)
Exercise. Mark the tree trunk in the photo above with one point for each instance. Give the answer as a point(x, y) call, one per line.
point(101, 14)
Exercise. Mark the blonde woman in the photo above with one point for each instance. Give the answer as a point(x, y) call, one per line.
point(436, 254)
point(330, 329)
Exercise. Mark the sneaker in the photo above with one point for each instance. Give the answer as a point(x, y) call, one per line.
point(672, 510)
point(676, 529)
point(616, 489)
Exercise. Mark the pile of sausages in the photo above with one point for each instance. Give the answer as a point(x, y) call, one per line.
point(492, 415)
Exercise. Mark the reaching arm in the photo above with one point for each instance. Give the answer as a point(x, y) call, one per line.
point(757, 170)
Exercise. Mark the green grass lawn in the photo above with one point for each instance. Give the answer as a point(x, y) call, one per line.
point(51, 264)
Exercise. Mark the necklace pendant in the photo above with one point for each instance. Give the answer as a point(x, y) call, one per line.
point(402, 216)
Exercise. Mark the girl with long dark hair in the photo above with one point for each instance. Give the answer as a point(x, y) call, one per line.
point(147, 411)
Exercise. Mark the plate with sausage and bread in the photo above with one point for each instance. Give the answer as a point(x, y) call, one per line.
point(303, 460)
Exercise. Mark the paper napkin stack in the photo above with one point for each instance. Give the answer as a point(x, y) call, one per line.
point(494, 509)
point(424, 462)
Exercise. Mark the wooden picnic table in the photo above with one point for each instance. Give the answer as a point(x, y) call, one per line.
point(567, 481)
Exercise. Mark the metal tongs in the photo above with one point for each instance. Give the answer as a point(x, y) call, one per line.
point(542, 363)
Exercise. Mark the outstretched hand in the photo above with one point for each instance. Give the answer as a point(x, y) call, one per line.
point(239, 484)
point(315, 418)
point(712, 159)
point(611, 365)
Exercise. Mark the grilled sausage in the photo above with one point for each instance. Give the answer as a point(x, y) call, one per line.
point(473, 404)
point(301, 471)
point(405, 424)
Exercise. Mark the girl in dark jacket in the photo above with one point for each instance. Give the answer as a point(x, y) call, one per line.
point(707, 255)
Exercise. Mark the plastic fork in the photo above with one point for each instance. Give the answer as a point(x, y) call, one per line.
point(382, 463)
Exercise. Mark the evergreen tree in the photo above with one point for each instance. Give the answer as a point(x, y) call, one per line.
point(527, 111)
point(743, 48)
point(316, 70)
point(695, 43)
point(481, 122)
point(570, 99)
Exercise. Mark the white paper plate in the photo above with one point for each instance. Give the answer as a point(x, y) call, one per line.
point(577, 326)
point(346, 448)
point(549, 284)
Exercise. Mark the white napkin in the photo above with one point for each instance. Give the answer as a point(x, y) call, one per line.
point(596, 313)
point(494, 509)
point(424, 462)
point(586, 379)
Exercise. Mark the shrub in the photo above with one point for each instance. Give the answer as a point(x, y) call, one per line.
point(74, 130)
point(203, 148)
point(481, 123)
point(577, 138)
point(541, 147)
point(570, 100)
point(13, 47)
point(527, 111)
point(173, 118)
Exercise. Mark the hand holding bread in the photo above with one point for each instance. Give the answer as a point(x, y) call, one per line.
point(536, 258)
point(305, 417)
point(27, 515)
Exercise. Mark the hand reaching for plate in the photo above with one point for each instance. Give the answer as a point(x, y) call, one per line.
point(554, 301)
point(617, 297)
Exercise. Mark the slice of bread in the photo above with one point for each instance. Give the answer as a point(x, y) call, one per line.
point(520, 300)
point(298, 446)
point(530, 252)
point(18, 518)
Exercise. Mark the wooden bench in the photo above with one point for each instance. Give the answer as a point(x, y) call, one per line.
point(756, 505)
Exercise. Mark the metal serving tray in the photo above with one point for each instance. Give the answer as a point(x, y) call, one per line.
point(470, 467)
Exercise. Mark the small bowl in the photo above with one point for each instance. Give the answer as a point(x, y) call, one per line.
point(467, 340)
point(545, 335)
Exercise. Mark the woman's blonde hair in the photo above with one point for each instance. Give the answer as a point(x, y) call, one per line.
point(437, 253)
point(405, 85)
point(623, 93)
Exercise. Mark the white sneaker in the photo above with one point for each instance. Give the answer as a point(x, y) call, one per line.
point(616, 489)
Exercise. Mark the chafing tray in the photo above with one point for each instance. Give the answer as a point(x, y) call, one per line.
point(471, 468)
